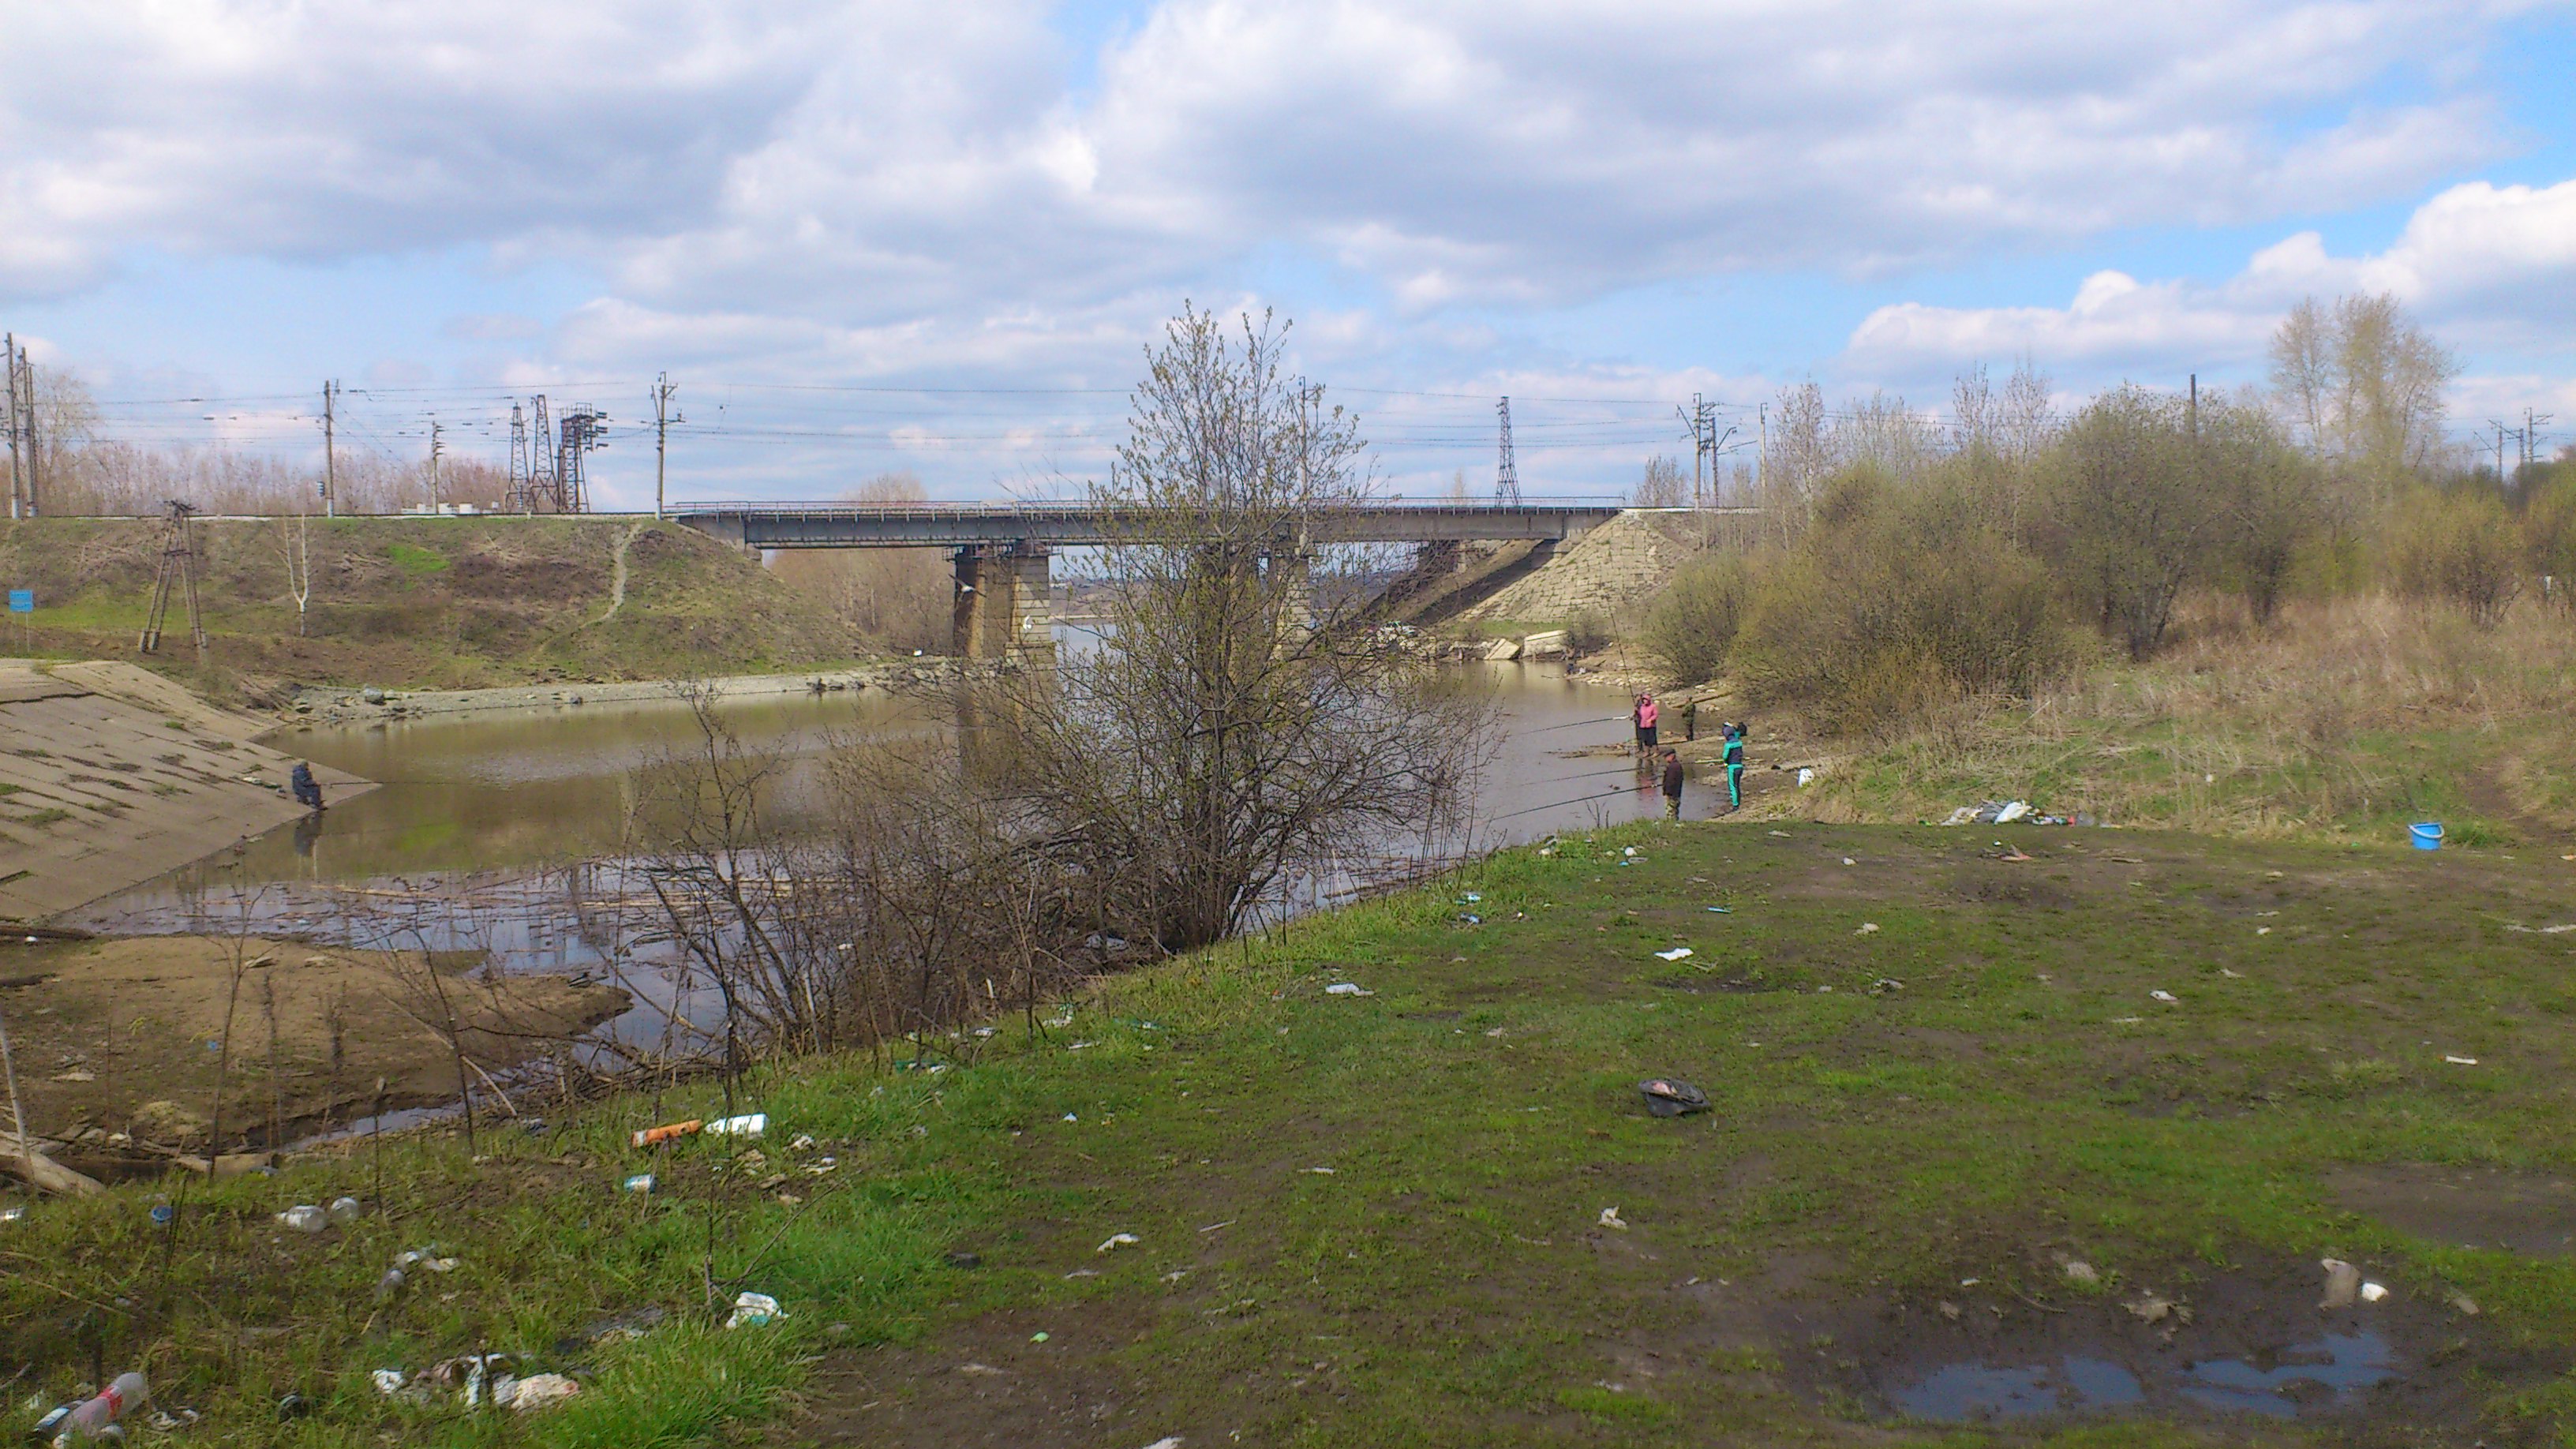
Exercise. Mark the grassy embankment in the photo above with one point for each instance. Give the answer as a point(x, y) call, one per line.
point(443, 603)
point(2345, 719)
point(1377, 1221)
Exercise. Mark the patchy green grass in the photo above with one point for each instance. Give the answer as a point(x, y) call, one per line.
point(435, 603)
point(1377, 1220)
point(415, 560)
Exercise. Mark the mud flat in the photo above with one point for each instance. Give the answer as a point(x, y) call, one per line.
point(118, 1042)
point(329, 704)
point(110, 775)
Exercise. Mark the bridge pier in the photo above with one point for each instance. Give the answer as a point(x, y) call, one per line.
point(1004, 602)
point(1294, 572)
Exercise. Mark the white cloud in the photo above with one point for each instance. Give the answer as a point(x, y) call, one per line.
point(2483, 264)
point(907, 157)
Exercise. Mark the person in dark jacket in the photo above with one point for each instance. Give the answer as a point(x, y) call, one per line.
point(308, 791)
point(1673, 777)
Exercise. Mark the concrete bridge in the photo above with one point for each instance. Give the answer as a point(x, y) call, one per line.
point(1004, 551)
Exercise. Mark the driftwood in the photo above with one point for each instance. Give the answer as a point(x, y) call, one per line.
point(45, 1174)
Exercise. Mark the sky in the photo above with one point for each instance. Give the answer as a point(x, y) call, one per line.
point(938, 237)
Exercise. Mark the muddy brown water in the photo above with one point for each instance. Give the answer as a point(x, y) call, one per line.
point(508, 831)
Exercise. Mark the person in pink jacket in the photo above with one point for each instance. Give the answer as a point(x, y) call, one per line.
point(1645, 716)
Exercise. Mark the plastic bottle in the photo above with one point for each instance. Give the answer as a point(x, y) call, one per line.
point(345, 1210)
point(91, 1420)
point(305, 1218)
point(389, 1285)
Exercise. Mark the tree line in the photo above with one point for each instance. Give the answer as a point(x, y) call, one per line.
point(1896, 565)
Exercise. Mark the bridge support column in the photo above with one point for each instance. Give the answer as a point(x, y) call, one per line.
point(1004, 602)
point(1294, 570)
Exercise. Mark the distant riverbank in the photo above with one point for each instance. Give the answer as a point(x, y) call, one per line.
point(338, 705)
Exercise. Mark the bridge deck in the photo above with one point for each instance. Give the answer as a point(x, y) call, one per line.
point(898, 525)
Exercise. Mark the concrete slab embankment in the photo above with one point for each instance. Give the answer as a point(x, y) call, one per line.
point(110, 775)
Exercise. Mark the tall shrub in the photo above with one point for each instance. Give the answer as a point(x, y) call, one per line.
point(1693, 622)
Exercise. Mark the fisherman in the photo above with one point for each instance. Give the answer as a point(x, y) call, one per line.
point(1734, 767)
point(1672, 786)
point(308, 791)
point(1645, 715)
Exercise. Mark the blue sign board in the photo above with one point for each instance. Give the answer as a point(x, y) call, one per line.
point(22, 601)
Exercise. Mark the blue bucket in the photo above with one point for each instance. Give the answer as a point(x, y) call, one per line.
point(2427, 834)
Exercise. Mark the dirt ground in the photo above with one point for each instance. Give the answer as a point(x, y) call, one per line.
point(117, 1042)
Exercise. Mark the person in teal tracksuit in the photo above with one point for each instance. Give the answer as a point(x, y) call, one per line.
point(1734, 768)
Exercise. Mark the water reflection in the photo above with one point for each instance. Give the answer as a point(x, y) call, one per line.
point(514, 833)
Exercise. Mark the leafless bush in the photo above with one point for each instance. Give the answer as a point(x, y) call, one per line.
point(920, 902)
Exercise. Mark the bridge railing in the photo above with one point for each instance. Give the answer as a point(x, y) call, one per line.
point(938, 508)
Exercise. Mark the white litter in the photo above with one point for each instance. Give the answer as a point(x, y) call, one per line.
point(1347, 988)
point(1168, 1441)
point(1806, 776)
point(1610, 1219)
point(750, 1310)
point(1867, 928)
point(1675, 954)
point(749, 1124)
point(2461, 1061)
point(2012, 811)
point(1847, 860)
point(2167, 997)
point(1117, 1241)
point(537, 1391)
point(2372, 1292)
point(2230, 975)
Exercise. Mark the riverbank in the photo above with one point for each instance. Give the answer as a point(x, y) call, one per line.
point(328, 705)
point(2063, 1125)
point(118, 1043)
point(110, 776)
point(421, 603)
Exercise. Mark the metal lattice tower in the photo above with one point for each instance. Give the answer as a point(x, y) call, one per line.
point(1507, 474)
point(583, 431)
point(517, 499)
point(178, 566)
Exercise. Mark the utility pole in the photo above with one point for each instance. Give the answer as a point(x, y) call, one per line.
point(22, 428)
point(662, 420)
point(330, 454)
point(9, 349)
point(2531, 422)
point(2500, 432)
point(2194, 413)
point(1507, 473)
point(434, 448)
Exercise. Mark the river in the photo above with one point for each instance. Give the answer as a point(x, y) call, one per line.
point(503, 831)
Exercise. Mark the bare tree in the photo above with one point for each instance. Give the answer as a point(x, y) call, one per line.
point(1663, 486)
point(294, 545)
point(896, 596)
point(1798, 458)
point(1246, 730)
point(2363, 384)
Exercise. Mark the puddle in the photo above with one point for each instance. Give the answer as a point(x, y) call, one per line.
point(2321, 1376)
